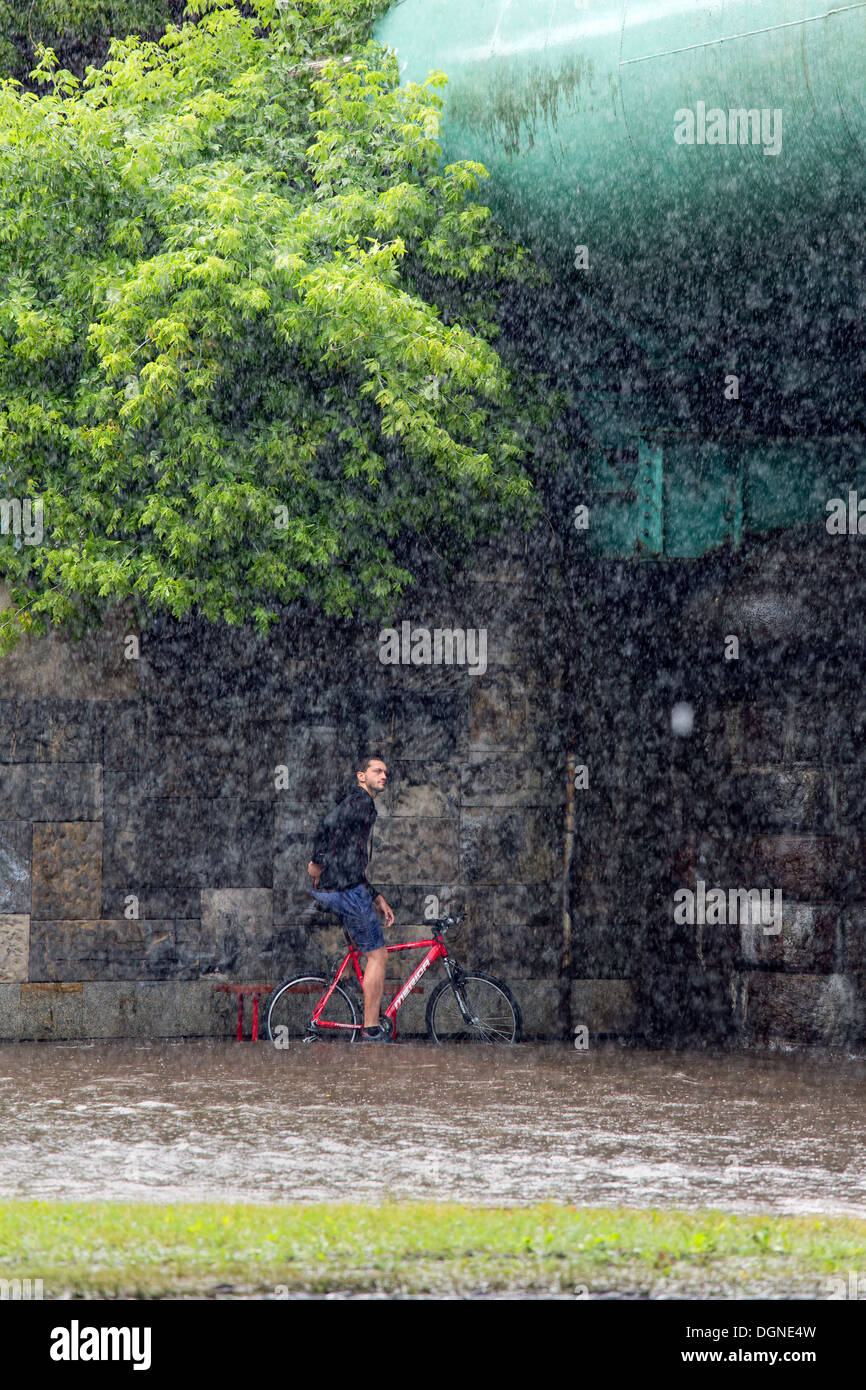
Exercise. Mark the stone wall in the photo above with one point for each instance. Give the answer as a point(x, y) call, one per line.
point(149, 785)
point(767, 792)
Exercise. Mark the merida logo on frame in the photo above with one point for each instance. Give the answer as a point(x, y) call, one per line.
point(76, 1343)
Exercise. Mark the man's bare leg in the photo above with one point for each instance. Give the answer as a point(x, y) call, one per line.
point(374, 984)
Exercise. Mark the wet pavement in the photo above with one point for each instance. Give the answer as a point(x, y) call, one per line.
point(171, 1121)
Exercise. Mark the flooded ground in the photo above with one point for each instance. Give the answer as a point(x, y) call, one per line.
point(170, 1121)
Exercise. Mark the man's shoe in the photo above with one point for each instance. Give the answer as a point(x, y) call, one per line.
point(378, 1036)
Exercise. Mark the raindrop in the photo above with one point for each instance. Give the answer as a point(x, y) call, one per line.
point(682, 719)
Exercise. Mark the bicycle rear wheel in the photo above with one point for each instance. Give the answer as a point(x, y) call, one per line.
point(489, 1011)
point(290, 1010)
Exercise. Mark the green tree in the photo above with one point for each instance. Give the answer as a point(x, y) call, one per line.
point(78, 30)
point(217, 369)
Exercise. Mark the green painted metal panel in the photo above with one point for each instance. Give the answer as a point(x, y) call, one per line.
point(650, 498)
point(578, 111)
point(573, 110)
point(685, 497)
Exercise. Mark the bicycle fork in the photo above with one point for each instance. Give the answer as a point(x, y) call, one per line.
point(457, 976)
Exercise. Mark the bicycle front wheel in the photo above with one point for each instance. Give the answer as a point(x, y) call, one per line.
point(474, 1008)
point(290, 1011)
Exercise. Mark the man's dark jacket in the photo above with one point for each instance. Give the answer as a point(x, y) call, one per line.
point(342, 843)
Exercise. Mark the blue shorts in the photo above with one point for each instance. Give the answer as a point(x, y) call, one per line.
point(354, 907)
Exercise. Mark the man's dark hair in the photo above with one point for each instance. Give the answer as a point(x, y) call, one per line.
point(367, 759)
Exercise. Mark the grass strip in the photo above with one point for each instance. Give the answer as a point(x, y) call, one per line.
point(144, 1250)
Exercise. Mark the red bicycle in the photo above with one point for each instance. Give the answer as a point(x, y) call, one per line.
point(468, 1006)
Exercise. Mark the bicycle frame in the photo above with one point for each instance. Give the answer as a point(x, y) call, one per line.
point(437, 951)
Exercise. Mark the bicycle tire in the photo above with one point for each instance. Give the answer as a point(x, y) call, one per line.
point(445, 1022)
point(291, 1006)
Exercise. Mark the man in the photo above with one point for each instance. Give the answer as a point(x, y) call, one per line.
point(341, 853)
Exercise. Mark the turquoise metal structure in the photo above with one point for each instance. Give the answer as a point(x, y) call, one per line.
point(694, 174)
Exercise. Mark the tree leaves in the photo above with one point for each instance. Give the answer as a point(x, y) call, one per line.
point(210, 318)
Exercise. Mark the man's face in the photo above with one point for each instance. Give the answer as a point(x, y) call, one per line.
point(374, 778)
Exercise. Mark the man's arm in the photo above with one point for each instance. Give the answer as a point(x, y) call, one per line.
point(324, 836)
point(323, 839)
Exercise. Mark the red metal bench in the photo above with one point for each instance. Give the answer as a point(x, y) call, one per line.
point(257, 992)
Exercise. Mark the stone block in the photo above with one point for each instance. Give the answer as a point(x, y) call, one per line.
point(498, 710)
point(291, 856)
point(500, 779)
point(415, 904)
point(420, 790)
point(121, 737)
point(833, 731)
point(451, 683)
point(507, 847)
point(539, 1006)
point(14, 946)
point(854, 939)
point(806, 942)
point(503, 561)
point(33, 731)
point(506, 644)
point(67, 870)
point(291, 819)
point(56, 666)
point(604, 949)
point(241, 922)
point(796, 800)
point(825, 1009)
point(10, 1011)
point(296, 950)
point(188, 841)
point(715, 860)
point(51, 791)
point(158, 1009)
point(102, 950)
point(198, 950)
point(513, 933)
point(430, 725)
point(51, 1011)
point(604, 1006)
point(802, 867)
point(754, 734)
point(120, 787)
point(155, 903)
point(207, 766)
point(414, 850)
point(318, 761)
point(299, 950)
point(15, 845)
point(850, 784)
point(293, 905)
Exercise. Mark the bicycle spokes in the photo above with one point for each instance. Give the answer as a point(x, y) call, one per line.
point(475, 1008)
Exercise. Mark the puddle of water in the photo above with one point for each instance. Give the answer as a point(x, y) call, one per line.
point(170, 1121)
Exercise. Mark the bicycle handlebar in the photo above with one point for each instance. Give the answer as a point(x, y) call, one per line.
point(437, 926)
point(443, 923)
